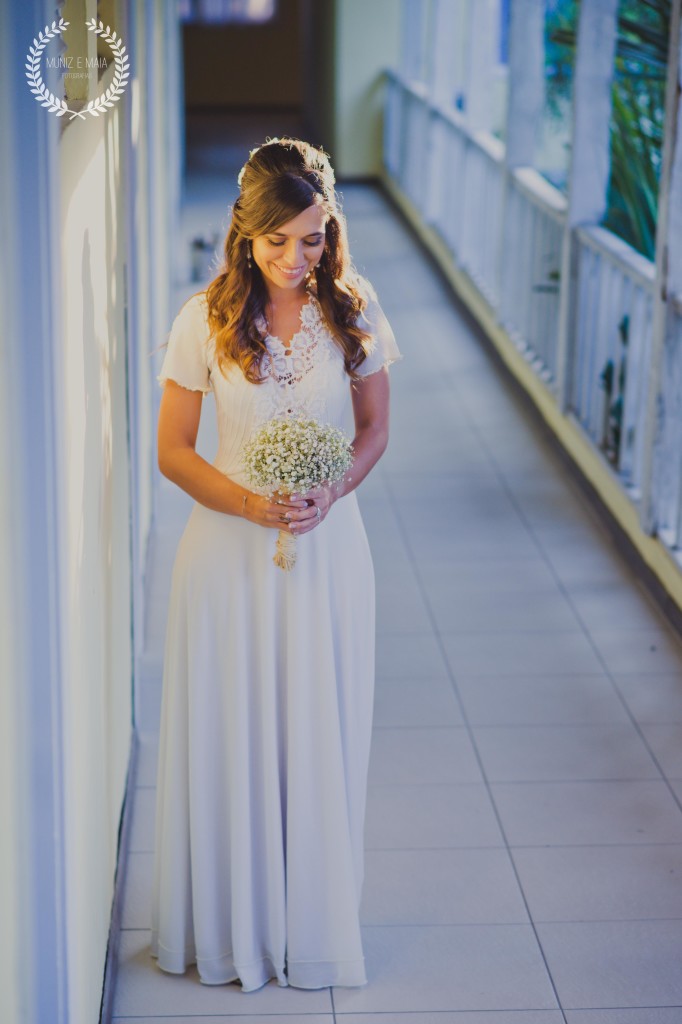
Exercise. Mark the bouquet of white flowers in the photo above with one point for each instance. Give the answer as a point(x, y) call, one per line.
point(291, 456)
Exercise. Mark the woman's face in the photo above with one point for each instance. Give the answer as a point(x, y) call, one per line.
point(285, 256)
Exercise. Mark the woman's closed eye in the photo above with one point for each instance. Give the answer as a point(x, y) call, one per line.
point(277, 244)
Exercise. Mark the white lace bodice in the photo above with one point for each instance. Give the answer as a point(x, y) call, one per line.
point(310, 381)
point(301, 383)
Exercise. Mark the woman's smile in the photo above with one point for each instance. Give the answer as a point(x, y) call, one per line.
point(290, 271)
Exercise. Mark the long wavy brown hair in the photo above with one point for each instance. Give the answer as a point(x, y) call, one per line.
point(281, 179)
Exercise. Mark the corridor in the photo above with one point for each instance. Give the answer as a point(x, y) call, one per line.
point(524, 822)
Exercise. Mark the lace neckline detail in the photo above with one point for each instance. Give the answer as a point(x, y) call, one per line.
point(289, 365)
point(309, 316)
point(297, 384)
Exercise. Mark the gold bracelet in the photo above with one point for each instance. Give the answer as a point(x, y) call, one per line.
point(244, 503)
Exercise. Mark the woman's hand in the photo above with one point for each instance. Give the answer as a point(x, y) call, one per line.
point(322, 498)
point(278, 512)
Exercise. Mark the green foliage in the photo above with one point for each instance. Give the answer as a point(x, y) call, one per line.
point(561, 23)
point(638, 107)
point(637, 122)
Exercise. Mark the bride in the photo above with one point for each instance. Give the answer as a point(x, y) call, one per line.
point(268, 677)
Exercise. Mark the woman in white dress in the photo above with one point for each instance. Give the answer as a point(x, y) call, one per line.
point(268, 674)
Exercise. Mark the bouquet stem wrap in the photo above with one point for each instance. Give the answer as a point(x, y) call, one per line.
point(285, 551)
point(291, 456)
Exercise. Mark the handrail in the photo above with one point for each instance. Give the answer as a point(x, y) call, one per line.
point(540, 191)
point(618, 252)
point(533, 184)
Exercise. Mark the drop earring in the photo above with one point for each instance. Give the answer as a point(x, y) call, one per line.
point(248, 255)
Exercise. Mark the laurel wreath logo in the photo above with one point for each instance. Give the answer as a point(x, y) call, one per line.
point(60, 106)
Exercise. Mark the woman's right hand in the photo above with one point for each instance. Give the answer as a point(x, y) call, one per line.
point(271, 512)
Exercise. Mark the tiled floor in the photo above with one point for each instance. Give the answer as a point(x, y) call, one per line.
point(524, 825)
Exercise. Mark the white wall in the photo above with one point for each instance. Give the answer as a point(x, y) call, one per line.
point(84, 289)
point(367, 41)
point(95, 559)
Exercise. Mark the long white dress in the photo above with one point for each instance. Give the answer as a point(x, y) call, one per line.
point(267, 701)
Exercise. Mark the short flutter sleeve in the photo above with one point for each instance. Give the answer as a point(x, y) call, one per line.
point(186, 358)
point(383, 348)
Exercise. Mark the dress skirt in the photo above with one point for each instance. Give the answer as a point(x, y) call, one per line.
point(266, 721)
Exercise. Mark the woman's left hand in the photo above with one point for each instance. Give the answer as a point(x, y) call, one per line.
point(322, 498)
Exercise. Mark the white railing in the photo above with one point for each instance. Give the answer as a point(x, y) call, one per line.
point(452, 177)
point(506, 228)
point(457, 181)
point(667, 492)
point(530, 237)
point(611, 348)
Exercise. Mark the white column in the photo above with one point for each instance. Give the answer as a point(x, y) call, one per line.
point(412, 50)
point(525, 100)
point(593, 76)
point(526, 94)
point(33, 917)
point(668, 283)
point(482, 58)
point(449, 28)
point(589, 167)
point(163, 219)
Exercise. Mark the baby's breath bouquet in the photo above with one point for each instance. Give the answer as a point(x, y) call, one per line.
point(291, 456)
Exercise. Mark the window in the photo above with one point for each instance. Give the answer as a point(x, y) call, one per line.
point(226, 11)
